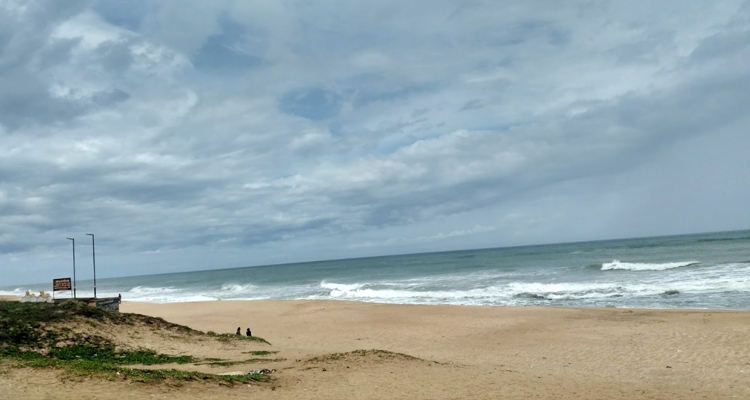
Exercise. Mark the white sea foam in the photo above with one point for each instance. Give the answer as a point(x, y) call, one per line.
point(403, 293)
point(168, 294)
point(617, 264)
point(15, 292)
point(571, 291)
point(145, 290)
point(716, 285)
point(172, 299)
point(566, 290)
point(237, 288)
point(514, 293)
point(341, 286)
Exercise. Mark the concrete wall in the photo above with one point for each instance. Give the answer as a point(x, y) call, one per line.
point(109, 303)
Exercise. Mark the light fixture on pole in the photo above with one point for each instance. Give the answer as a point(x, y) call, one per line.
point(74, 266)
point(93, 255)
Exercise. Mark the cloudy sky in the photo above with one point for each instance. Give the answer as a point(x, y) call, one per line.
point(193, 135)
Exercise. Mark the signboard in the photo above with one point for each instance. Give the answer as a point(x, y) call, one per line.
point(61, 284)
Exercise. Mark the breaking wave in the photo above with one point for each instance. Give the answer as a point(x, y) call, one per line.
point(237, 288)
point(524, 293)
point(617, 264)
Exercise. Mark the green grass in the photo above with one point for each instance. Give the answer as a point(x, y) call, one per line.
point(227, 337)
point(227, 363)
point(379, 354)
point(32, 336)
point(260, 353)
point(22, 325)
point(111, 369)
point(107, 354)
point(159, 375)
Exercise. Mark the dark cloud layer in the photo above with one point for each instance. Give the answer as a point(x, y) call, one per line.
point(193, 136)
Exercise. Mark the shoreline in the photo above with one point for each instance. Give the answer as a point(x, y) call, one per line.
point(124, 301)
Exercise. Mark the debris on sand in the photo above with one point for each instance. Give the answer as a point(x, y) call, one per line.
point(261, 371)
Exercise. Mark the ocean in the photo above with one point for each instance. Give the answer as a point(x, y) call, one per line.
point(700, 271)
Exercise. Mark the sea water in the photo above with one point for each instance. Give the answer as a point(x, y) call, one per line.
point(688, 271)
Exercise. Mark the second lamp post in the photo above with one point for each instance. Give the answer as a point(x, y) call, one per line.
point(93, 254)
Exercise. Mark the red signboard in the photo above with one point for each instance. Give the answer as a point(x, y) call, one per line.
point(61, 284)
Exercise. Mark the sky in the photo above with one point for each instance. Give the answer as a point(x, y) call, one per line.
point(193, 135)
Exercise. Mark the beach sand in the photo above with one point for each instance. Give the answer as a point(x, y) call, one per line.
point(447, 352)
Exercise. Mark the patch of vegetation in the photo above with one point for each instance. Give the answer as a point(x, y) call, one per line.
point(227, 337)
point(22, 325)
point(260, 353)
point(107, 354)
point(110, 369)
point(380, 354)
point(159, 375)
point(226, 363)
point(35, 335)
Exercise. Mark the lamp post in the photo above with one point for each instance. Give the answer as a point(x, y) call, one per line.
point(74, 266)
point(93, 255)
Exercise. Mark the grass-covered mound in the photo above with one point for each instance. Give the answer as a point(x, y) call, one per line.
point(84, 340)
point(374, 354)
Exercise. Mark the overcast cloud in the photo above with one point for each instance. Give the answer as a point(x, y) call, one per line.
point(195, 135)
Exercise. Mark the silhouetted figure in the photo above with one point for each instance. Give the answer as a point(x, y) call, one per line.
point(248, 333)
point(239, 331)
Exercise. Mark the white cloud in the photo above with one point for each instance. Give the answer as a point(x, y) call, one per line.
point(347, 129)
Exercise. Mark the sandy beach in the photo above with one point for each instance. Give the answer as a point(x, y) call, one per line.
point(448, 352)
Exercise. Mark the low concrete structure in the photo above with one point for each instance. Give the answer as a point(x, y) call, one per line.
point(41, 298)
point(105, 303)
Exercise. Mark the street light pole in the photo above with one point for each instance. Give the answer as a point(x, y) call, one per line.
point(74, 266)
point(93, 255)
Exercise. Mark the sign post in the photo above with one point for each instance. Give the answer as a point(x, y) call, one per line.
point(60, 284)
point(74, 266)
point(93, 258)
